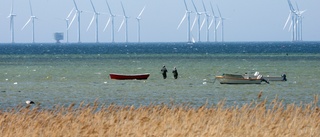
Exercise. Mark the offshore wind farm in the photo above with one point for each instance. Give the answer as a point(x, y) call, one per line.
point(67, 49)
point(210, 21)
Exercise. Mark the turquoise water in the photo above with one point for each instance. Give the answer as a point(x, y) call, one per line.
point(50, 79)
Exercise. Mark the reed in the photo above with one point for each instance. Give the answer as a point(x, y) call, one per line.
point(254, 119)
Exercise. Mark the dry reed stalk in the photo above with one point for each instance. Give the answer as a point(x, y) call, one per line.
point(254, 119)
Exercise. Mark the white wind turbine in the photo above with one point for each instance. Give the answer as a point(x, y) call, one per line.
point(125, 19)
point(67, 22)
point(198, 20)
point(207, 17)
point(11, 16)
point(112, 22)
point(32, 17)
point(222, 24)
point(78, 12)
point(292, 15)
point(215, 18)
point(296, 22)
point(187, 14)
point(299, 22)
point(96, 17)
point(138, 19)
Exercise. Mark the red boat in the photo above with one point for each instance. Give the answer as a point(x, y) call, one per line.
point(129, 76)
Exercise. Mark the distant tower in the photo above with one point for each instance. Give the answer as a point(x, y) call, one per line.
point(58, 36)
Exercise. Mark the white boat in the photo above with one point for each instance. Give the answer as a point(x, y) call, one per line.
point(275, 78)
point(241, 79)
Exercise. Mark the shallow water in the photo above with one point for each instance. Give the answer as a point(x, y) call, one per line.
point(50, 79)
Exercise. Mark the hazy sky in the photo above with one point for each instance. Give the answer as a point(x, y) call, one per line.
point(247, 20)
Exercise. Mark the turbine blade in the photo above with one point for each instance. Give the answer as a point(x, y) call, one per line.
point(72, 20)
point(290, 26)
point(75, 5)
point(70, 13)
point(11, 24)
point(218, 24)
point(121, 25)
point(194, 22)
point(194, 6)
point(285, 25)
point(185, 15)
point(185, 4)
point(202, 23)
point(91, 22)
point(94, 9)
point(297, 6)
point(109, 7)
point(30, 8)
point(106, 24)
point(204, 7)
point(211, 23)
point(124, 12)
point(219, 11)
point(141, 11)
point(212, 9)
point(11, 7)
point(26, 24)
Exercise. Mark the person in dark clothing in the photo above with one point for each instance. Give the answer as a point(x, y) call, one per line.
point(284, 77)
point(164, 72)
point(175, 73)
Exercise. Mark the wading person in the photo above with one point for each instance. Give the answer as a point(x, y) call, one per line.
point(175, 73)
point(164, 72)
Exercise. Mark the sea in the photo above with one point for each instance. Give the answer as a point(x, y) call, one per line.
point(53, 74)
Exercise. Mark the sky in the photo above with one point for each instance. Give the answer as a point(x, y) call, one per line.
point(246, 20)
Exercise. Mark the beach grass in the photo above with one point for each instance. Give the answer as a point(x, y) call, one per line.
point(258, 119)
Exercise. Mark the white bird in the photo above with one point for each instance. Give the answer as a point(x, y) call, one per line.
point(29, 102)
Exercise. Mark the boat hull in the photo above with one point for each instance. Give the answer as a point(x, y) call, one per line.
point(270, 78)
point(129, 76)
point(235, 80)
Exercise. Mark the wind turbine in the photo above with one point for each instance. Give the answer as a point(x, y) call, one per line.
point(222, 25)
point(207, 17)
point(96, 17)
point(78, 12)
point(215, 18)
point(125, 19)
point(293, 18)
point(138, 19)
point(11, 16)
point(32, 17)
point(296, 22)
point(187, 14)
point(299, 18)
point(198, 19)
point(112, 23)
point(67, 22)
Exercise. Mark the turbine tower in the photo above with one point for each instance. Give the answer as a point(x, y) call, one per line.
point(187, 14)
point(138, 19)
point(67, 22)
point(215, 18)
point(32, 17)
point(96, 17)
point(112, 22)
point(198, 20)
point(11, 16)
point(222, 24)
point(78, 12)
point(125, 19)
point(207, 17)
